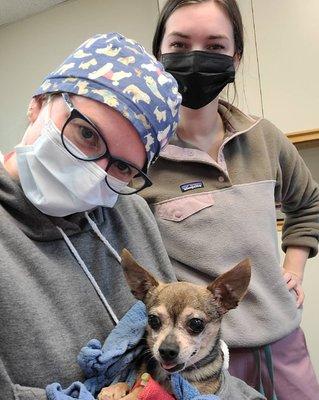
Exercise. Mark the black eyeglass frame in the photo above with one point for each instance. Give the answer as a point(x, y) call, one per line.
point(74, 113)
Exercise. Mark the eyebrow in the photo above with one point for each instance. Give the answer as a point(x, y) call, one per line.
point(96, 124)
point(185, 36)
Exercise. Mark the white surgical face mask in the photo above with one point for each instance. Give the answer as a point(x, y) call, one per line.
point(59, 184)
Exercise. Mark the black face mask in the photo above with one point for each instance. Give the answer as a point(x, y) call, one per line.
point(200, 75)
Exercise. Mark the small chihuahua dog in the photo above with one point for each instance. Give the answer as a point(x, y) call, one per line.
point(184, 325)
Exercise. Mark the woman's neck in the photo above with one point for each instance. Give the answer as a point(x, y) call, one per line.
point(202, 128)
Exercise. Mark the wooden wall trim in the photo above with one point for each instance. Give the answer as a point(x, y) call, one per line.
point(280, 223)
point(304, 136)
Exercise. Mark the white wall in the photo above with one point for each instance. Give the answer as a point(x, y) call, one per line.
point(31, 48)
point(309, 322)
point(284, 36)
point(288, 51)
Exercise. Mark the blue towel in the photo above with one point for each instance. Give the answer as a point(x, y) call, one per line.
point(76, 391)
point(110, 363)
point(183, 390)
point(115, 361)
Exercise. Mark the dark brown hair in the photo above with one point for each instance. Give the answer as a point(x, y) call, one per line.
point(230, 8)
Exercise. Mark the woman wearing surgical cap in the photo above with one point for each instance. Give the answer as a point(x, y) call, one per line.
point(68, 207)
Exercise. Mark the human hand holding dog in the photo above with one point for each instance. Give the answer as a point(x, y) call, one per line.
point(293, 270)
point(119, 391)
point(145, 388)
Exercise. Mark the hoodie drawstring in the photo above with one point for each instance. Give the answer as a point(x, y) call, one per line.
point(102, 238)
point(85, 268)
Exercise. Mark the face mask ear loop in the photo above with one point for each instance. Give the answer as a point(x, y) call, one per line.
point(48, 106)
point(23, 140)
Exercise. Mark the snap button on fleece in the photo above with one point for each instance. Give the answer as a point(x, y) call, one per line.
point(221, 178)
point(190, 153)
point(178, 214)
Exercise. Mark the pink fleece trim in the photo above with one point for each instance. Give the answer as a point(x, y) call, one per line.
point(181, 153)
point(183, 207)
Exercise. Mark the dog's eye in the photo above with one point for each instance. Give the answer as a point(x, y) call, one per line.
point(196, 325)
point(154, 322)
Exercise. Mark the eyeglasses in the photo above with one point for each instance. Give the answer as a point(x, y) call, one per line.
point(83, 140)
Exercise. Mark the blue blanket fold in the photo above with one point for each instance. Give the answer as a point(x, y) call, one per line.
point(115, 361)
point(75, 391)
point(183, 390)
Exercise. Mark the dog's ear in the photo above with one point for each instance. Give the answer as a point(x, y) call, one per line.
point(139, 280)
point(229, 288)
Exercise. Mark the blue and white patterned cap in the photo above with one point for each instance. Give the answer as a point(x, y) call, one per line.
point(120, 73)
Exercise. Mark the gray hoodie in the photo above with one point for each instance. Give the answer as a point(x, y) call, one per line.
point(49, 309)
point(235, 389)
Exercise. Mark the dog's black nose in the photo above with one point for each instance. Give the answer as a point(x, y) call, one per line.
point(168, 352)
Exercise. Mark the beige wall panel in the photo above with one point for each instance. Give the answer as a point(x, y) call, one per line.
point(288, 50)
point(311, 157)
point(31, 48)
point(309, 322)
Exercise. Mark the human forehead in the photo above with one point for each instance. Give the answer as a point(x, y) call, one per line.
point(103, 116)
point(120, 135)
point(199, 20)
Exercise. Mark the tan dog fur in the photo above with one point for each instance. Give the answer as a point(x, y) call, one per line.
point(184, 323)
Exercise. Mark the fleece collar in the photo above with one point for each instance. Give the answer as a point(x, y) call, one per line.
point(236, 123)
point(236, 120)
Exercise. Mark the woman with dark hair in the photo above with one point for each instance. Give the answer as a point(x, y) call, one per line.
point(216, 188)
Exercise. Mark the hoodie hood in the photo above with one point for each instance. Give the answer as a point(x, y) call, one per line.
point(32, 222)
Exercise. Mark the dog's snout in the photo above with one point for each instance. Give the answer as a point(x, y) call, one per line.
point(168, 353)
point(169, 349)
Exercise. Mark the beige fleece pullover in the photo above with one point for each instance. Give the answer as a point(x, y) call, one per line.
point(214, 213)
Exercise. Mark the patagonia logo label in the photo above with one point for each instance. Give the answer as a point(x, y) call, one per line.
point(191, 186)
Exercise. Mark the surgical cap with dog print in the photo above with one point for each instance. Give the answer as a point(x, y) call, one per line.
point(118, 72)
